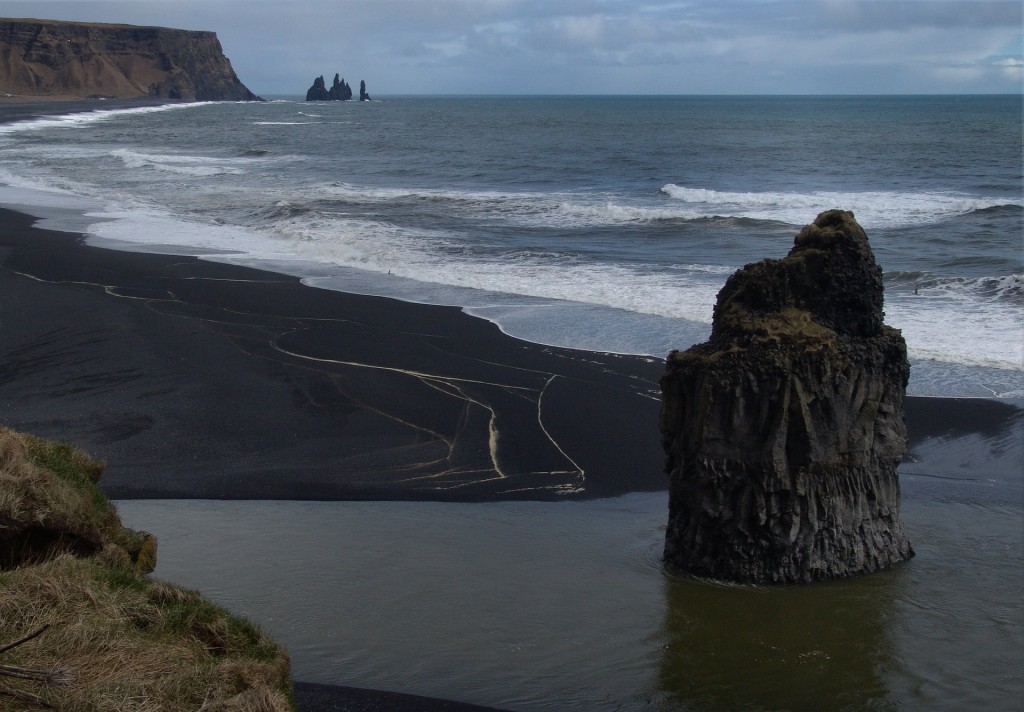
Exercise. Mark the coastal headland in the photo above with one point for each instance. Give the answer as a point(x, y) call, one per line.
point(52, 60)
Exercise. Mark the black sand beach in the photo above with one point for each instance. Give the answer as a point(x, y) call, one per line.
point(198, 379)
point(195, 379)
point(310, 697)
point(182, 401)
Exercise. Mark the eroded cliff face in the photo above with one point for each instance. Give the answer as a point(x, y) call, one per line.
point(46, 58)
point(783, 431)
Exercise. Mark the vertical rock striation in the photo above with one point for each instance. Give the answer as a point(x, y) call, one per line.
point(783, 431)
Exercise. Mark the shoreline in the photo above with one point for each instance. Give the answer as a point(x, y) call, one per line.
point(539, 306)
point(50, 99)
point(273, 389)
point(23, 300)
point(18, 108)
point(317, 697)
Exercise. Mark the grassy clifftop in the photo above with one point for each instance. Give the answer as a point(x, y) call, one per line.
point(112, 637)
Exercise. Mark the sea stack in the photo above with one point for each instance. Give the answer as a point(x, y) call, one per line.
point(783, 431)
point(318, 92)
point(339, 91)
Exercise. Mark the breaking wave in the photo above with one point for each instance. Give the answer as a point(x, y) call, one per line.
point(873, 208)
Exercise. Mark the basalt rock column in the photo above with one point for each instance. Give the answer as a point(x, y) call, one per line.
point(318, 92)
point(783, 431)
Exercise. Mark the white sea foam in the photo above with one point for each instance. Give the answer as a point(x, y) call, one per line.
point(1009, 287)
point(310, 222)
point(44, 191)
point(429, 256)
point(987, 334)
point(988, 329)
point(983, 335)
point(182, 163)
point(707, 269)
point(426, 257)
point(872, 208)
point(592, 214)
point(483, 198)
point(79, 120)
point(155, 227)
point(528, 208)
point(975, 322)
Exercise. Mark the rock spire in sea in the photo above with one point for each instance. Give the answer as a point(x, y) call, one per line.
point(340, 90)
point(783, 431)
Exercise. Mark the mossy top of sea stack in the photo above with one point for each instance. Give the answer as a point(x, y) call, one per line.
point(830, 278)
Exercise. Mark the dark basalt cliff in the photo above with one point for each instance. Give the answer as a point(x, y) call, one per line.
point(784, 430)
point(52, 59)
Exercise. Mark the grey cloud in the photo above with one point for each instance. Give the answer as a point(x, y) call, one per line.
point(647, 46)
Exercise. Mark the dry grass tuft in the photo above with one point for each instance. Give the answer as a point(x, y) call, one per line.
point(134, 644)
point(256, 699)
point(63, 459)
point(49, 502)
point(116, 640)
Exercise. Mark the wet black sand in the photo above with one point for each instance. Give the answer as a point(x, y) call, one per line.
point(198, 379)
point(310, 697)
point(205, 380)
point(195, 379)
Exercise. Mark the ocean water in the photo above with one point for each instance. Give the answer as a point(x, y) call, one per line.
point(605, 223)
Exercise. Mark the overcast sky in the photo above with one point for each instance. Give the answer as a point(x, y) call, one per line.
point(596, 46)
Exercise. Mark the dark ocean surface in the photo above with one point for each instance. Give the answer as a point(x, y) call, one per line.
point(605, 223)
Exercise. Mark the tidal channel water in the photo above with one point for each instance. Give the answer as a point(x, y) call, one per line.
point(541, 606)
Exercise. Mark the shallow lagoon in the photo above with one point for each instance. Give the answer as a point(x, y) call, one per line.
point(534, 606)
